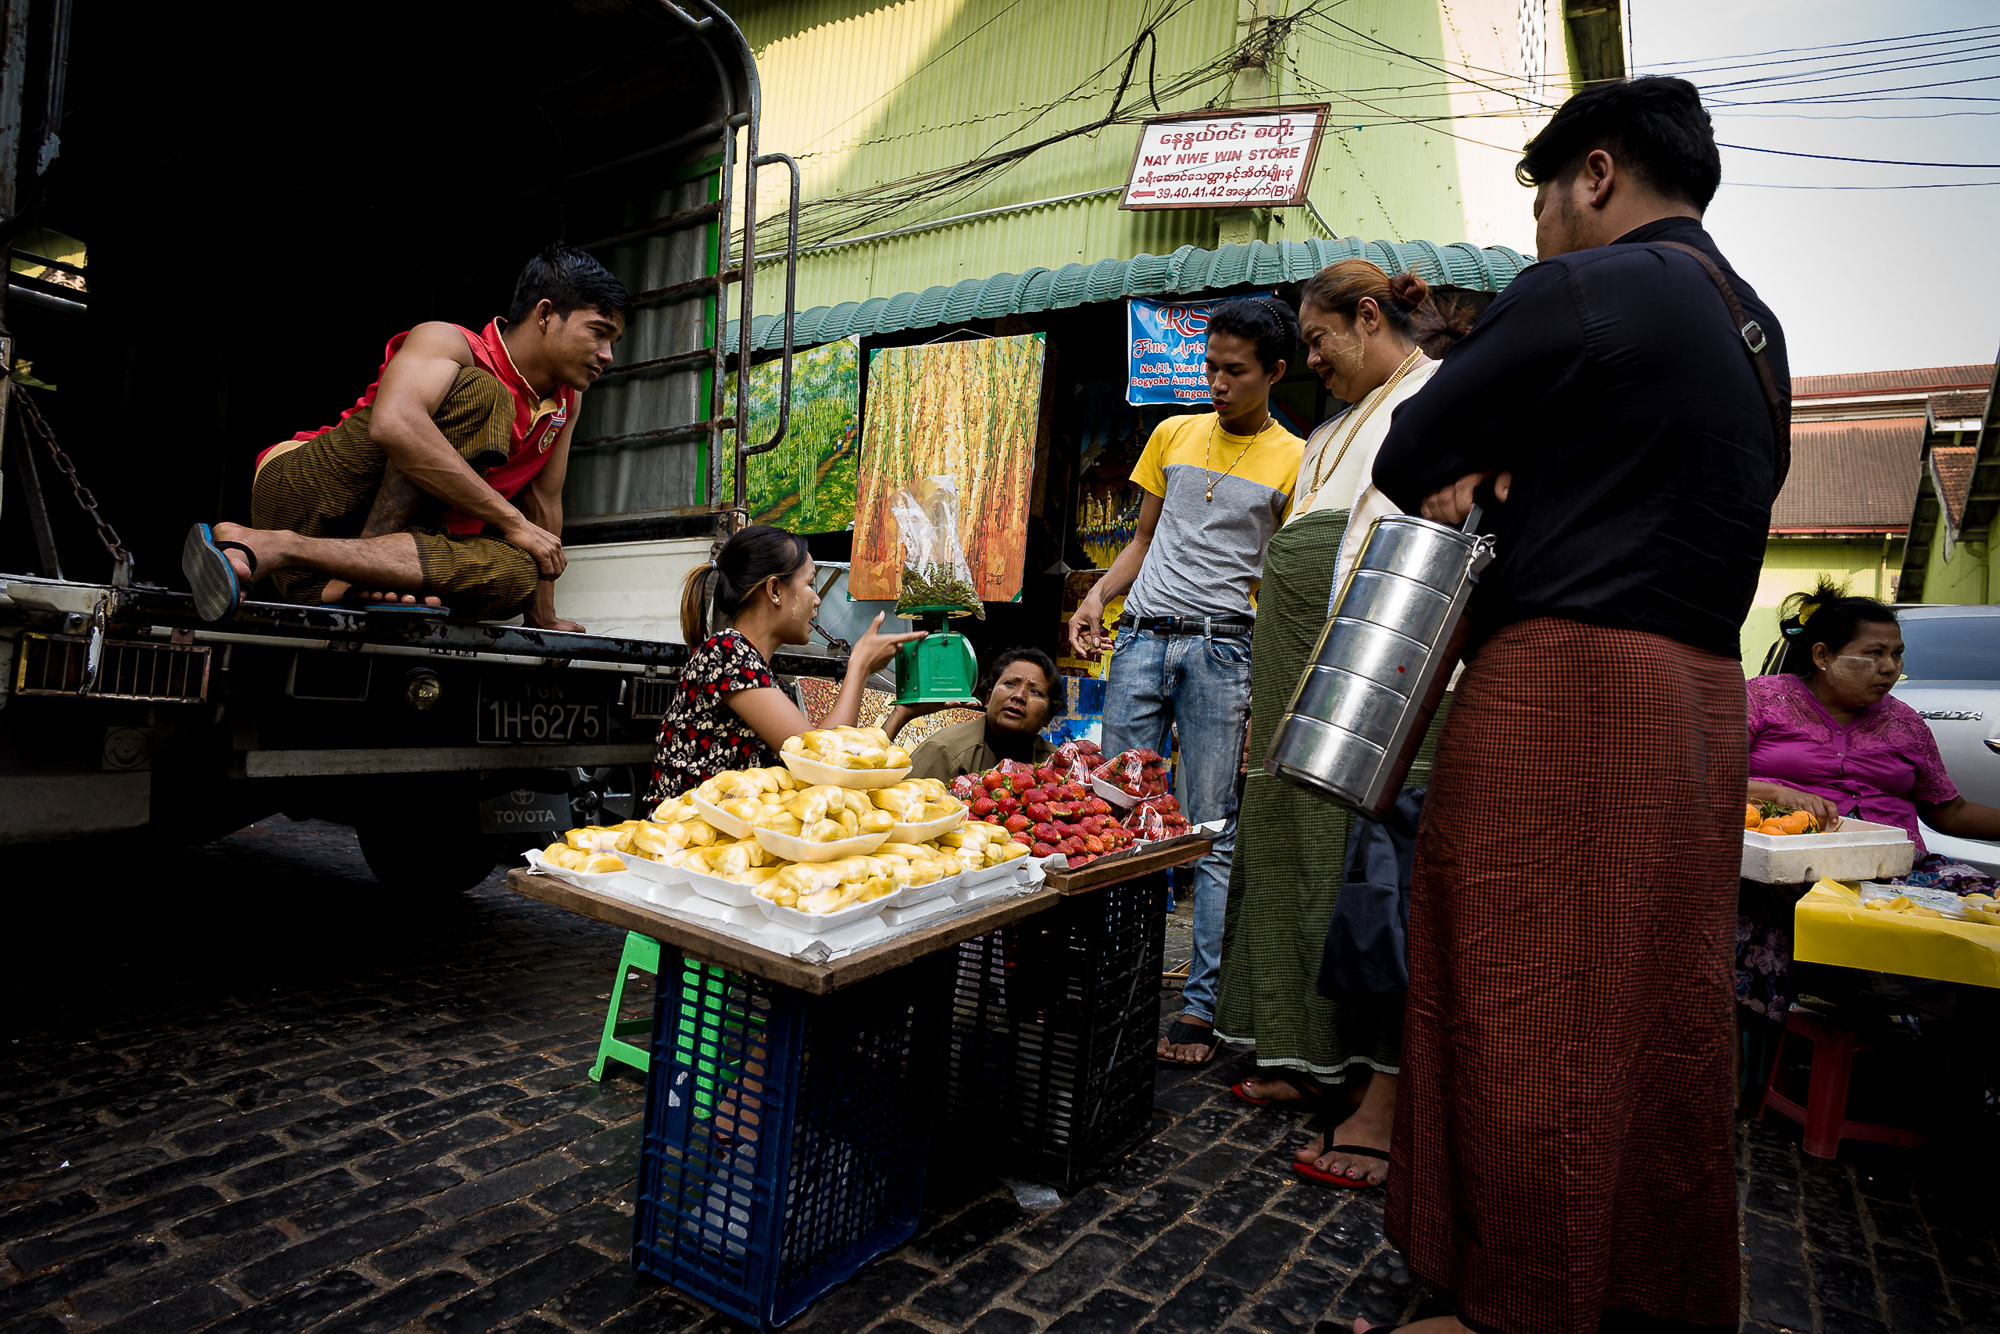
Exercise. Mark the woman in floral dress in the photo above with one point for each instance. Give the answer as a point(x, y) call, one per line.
point(729, 712)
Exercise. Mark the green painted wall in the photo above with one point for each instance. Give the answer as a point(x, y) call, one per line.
point(1793, 564)
point(1966, 578)
point(867, 93)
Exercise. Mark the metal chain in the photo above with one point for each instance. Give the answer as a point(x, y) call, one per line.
point(121, 574)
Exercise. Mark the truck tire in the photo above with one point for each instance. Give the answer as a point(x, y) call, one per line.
point(423, 862)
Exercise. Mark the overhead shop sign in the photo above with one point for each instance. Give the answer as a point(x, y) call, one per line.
point(1210, 159)
point(1167, 342)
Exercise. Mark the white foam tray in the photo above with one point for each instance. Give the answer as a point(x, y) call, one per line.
point(721, 819)
point(808, 770)
point(795, 849)
point(1858, 850)
point(926, 830)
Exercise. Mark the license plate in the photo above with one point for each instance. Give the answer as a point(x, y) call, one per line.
point(545, 713)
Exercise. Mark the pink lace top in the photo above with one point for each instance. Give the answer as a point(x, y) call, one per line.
point(1877, 767)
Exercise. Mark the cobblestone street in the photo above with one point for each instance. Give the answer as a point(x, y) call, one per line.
point(255, 1095)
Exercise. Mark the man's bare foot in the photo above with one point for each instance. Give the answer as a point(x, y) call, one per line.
point(340, 593)
point(558, 623)
point(1188, 1052)
point(266, 543)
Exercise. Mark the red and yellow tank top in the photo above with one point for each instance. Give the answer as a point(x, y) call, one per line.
point(538, 421)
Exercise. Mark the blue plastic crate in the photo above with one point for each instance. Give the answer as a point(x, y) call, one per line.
point(785, 1134)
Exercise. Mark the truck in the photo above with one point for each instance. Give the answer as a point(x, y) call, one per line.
point(246, 215)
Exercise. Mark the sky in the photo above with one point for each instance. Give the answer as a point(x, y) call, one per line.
point(1861, 279)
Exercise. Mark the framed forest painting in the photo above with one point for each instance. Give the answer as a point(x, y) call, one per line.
point(970, 409)
point(806, 484)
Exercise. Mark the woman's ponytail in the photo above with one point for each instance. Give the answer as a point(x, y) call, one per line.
point(694, 603)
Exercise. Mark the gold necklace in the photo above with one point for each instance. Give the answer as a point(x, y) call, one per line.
point(1209, 453)
point(1371, 402)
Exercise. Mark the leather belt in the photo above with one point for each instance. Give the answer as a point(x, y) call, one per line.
point(1222, 627)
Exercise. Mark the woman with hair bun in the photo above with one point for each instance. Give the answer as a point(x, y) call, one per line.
point(1827, 737)
point(728, 712)
point(1365, 334)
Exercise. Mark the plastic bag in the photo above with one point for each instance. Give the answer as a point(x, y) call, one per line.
point(1074, 760)
point(1132, 775)
point(1157, 818)
point(935, 571)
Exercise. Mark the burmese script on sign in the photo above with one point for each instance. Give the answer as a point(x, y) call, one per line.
point(1225, 161)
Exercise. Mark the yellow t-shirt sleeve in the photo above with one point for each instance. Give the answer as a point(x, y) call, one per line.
point(1150, 472)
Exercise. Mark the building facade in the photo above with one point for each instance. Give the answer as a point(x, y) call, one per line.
point(944, 140)
point(1871, 454)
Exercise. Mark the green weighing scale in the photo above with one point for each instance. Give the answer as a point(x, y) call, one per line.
point(939, 668)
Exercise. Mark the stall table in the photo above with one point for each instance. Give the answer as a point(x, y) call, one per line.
point(788, 1102)
point(1054, 1021)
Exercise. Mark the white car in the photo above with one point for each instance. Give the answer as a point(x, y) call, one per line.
point(1951, 675)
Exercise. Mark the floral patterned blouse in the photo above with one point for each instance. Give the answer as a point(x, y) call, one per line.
point(700, 735)
point(1876, 767)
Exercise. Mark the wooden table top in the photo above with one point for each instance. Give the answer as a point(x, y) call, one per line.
point(705, 943)
point(1146, 860)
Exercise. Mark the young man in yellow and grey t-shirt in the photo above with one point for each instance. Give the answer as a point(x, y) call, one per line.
point(1217, 486)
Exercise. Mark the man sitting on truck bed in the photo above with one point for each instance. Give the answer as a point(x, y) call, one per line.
point(444, 481)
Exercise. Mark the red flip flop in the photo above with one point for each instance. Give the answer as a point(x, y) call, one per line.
point(1334, 1179)
point(1242, 1095)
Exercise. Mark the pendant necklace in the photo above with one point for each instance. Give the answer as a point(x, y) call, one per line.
point(1209, 453)
point(1322, 471)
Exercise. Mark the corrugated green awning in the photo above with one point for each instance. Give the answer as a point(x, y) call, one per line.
point(1189, 271)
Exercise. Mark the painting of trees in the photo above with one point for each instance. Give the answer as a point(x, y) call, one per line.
point(806, 484)
point(970, 409)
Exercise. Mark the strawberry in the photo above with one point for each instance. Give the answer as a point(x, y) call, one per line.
point(1038, 812)
point(1044, 850)
point(991, 781)
point(983, 807)
point(1016, 823)
point(1008, 804)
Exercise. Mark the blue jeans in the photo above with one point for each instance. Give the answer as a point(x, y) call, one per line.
point(1203, 684)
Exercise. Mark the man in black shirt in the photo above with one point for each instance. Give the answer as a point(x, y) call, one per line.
point(1562, 1155)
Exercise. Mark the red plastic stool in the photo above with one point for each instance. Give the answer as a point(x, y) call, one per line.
point(1824, 1114)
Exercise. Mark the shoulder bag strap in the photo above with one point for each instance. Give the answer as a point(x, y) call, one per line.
point(1752, 334)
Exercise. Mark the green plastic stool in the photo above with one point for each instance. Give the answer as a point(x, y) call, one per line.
point(643, 953)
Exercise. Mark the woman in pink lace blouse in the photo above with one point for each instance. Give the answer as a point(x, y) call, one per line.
point(1825, 735)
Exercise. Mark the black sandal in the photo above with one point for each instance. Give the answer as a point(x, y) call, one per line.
point(210, 576)
point(1185, 1034)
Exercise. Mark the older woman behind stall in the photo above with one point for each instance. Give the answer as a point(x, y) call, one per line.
point(1370, 338)
point(1827, 737)
point(1018, 692)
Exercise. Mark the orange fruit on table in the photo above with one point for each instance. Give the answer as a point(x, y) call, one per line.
point(1752, 817)
point(1798, 822)
point(1772, 827)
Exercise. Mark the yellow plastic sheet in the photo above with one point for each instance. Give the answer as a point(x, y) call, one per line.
point(1831, 926)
